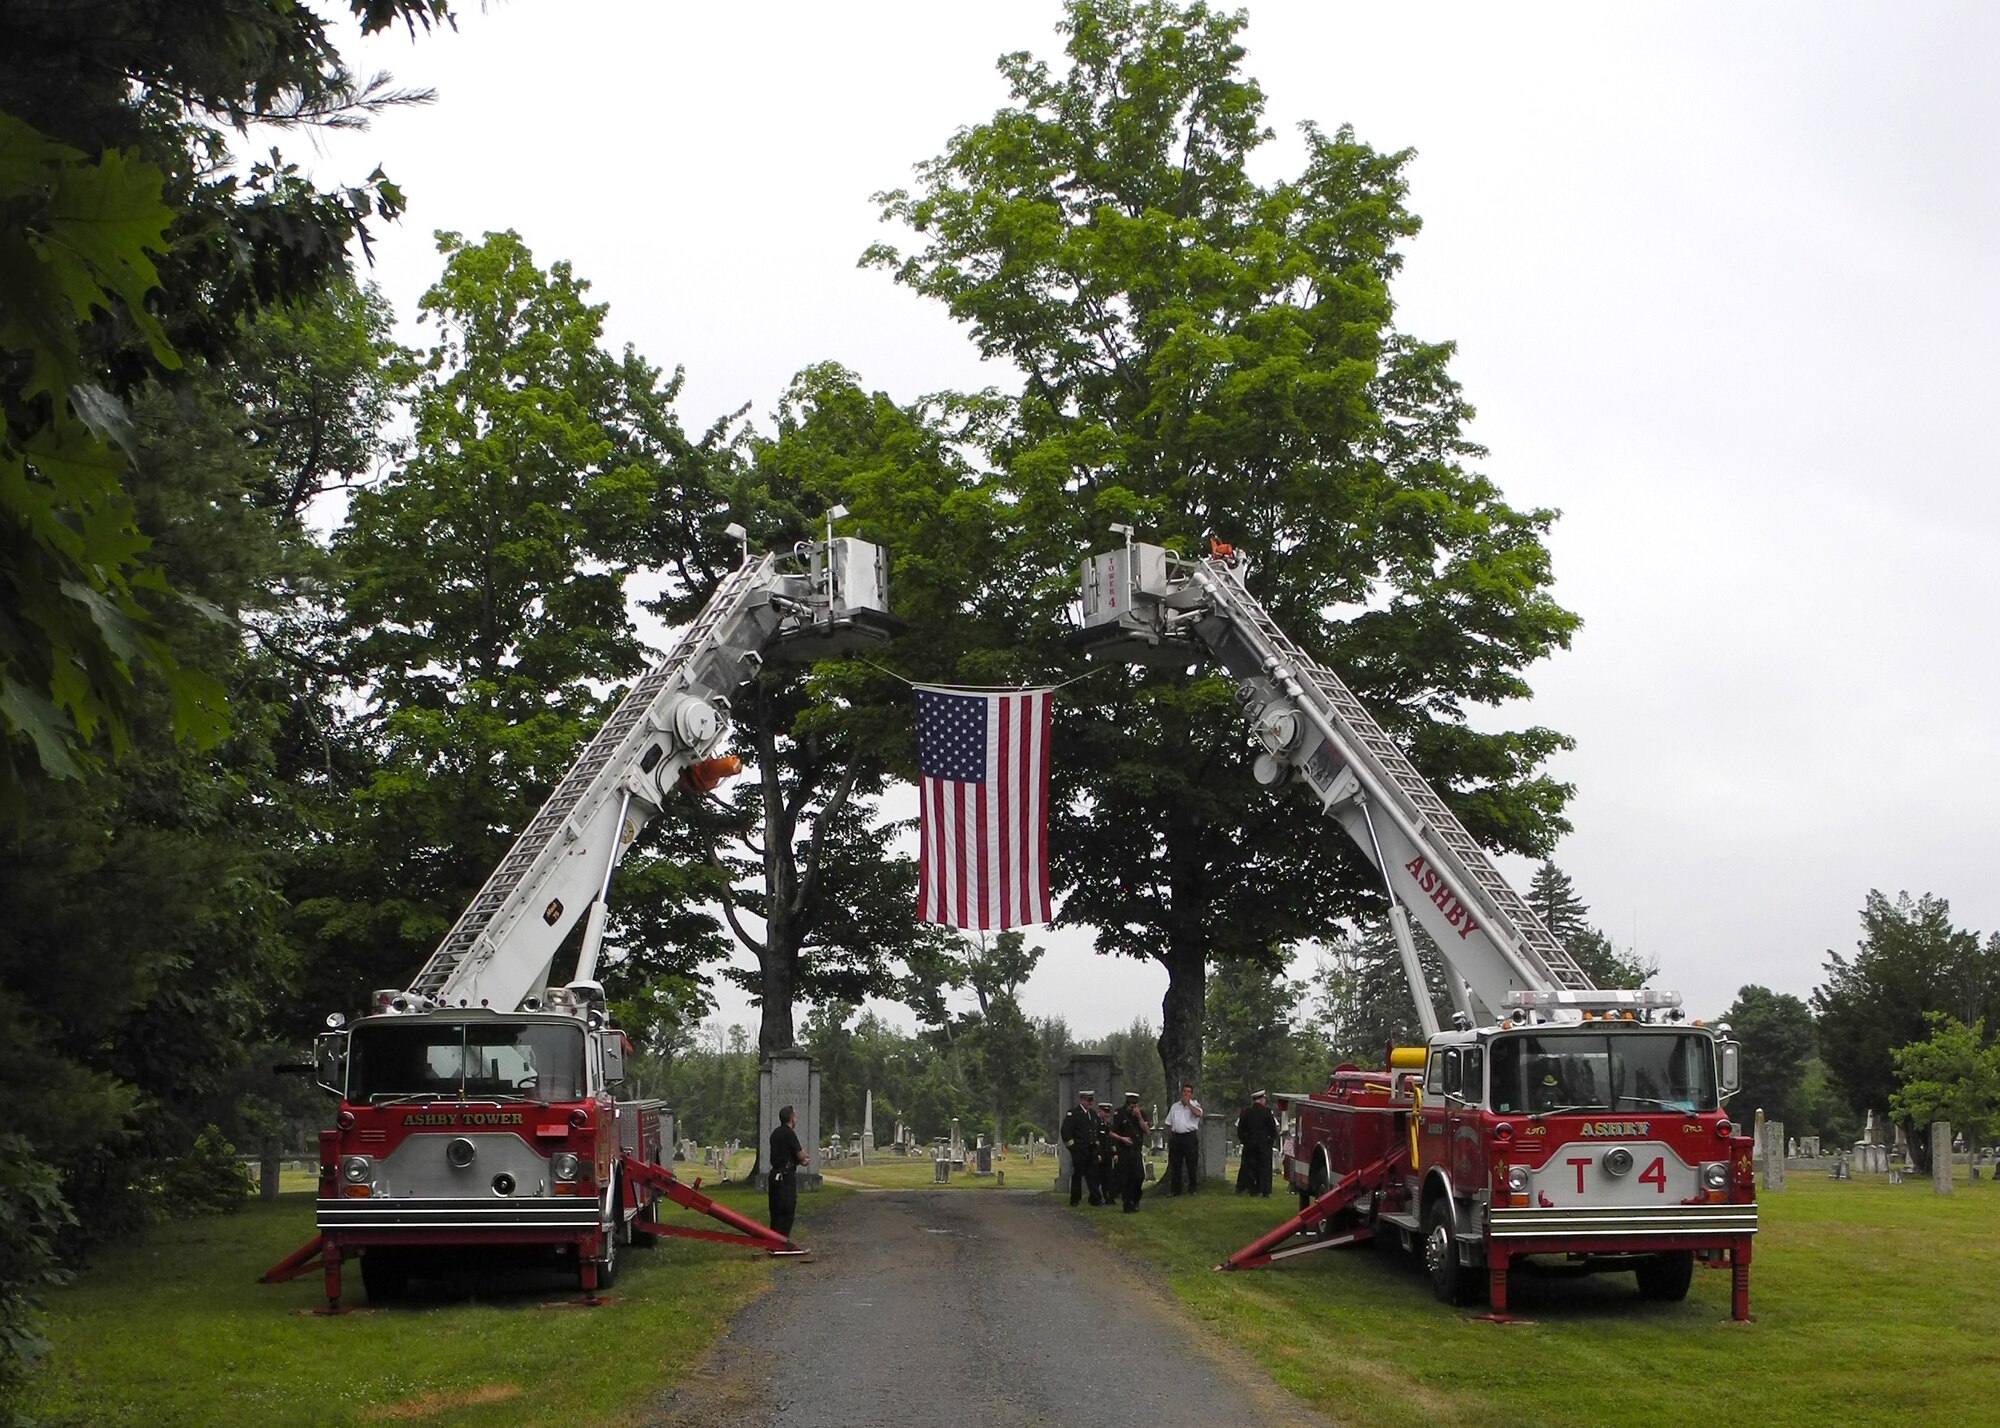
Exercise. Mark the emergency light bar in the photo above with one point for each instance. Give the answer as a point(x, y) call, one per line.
point(1598, 1000)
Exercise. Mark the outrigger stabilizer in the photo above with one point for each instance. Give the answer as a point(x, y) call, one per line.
point(1323, 1215)
point(637, 1174)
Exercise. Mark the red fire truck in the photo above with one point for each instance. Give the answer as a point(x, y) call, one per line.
point(1550, 1118)
point(483, 1108)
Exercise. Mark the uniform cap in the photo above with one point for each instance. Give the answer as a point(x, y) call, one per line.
point(1256, 1095)
point(1086, 1095)
point(1131, 1095)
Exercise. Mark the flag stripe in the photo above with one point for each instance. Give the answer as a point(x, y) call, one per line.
point(983, 808)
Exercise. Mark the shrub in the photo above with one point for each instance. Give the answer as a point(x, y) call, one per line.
point(208, 1180)
point(32, 1214)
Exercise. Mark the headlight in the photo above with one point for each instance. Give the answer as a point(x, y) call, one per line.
point(356, 1169)
point(1518, 1179)
point(1618, 1161)
point(563, 1163)
point(460, 1152)
point(1715, 1175)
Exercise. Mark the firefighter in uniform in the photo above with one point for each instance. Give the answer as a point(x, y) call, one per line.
point(1128, 1134)
point(787, 1155)
point(1079, 1138)
point(1107, 1159)
point(1257, 1133)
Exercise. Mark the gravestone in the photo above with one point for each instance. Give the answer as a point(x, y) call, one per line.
point(1774, 1155)
point(1212, 1155)
point(1084, 1073)
point(984, 1165)
point(1941, 1157)
point(867, 1144)
point(789, 1078)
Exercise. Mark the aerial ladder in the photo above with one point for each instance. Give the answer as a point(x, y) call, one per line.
point(1464, 1188)
point(479, 1105)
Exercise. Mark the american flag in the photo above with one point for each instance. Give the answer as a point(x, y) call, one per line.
point(985, 790)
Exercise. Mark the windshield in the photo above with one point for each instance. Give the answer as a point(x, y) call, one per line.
point(1623, 1071)
point(480, 1060)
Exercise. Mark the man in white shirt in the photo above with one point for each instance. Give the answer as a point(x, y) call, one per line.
point(1183, 1139)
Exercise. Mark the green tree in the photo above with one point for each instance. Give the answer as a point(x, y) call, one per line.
point(1953, 1075)
point(1253, 1039)
point(1362, 998)
point(1205, 355)
point(804, 850)
point(1779, 1044)
point(484, 610)
point(1554, 899)
point(130, 241)
point(1910, 962)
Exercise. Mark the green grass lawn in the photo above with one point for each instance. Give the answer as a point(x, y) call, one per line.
point(171, 1327)
point(917, 1172)
point(1872, 1303)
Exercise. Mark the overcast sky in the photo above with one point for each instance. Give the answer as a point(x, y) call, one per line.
point(1722, 280)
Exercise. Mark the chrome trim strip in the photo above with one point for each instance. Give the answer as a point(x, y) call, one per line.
point(1532, 1222)
point(566, 1213)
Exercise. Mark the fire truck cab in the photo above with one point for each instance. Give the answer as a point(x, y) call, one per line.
point(463, 1127)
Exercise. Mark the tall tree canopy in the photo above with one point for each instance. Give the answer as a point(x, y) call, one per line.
point(130, 243)
point(1779, 1043)
point(1206, 355)
point(1910, 962)
point(484, 607)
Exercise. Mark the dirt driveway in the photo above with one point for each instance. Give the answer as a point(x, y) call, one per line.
point(996, 1308)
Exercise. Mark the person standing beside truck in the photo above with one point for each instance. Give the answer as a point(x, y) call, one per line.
point(1257, 1133)
point(787, 1155)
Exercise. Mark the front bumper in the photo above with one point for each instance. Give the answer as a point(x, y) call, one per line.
point(1686, 1226)
point(520, 1219)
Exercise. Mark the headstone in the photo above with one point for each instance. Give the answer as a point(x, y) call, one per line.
point(985, 1166)
point(957, 1140)
point(1084, 1073)
point(867, 1126)
point(789, 1078)
point(1774, 1155)
point(1212, 1152)
point(1941, 1157)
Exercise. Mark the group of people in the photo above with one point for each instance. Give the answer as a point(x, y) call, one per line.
point(1107, 1151)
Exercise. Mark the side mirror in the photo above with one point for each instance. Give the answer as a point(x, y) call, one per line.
point(613, 1046)
point(329, 1066)
point(1729, 1067)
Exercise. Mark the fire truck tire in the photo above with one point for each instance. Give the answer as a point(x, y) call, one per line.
point(1317, 1183)
point(384, 1277)
point(1665, 1277)
point(1449, 1280)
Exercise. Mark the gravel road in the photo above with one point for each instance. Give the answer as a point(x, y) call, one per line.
point(988, 1307)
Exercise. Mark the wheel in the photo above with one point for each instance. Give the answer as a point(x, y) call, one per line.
point(1665, 1277)
point(1317, 1184)
point(383, 1276)
point(613, 1235)
point(1449, 1281)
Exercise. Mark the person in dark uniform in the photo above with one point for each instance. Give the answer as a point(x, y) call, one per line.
point(787, 1155)
point(1257, 1133)
point(1128, 1134)
point(1107, 1159)
point(1079, 1138)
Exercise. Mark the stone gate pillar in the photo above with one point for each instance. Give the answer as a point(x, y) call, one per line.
point(789, 1078)
point(1084, 1073)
